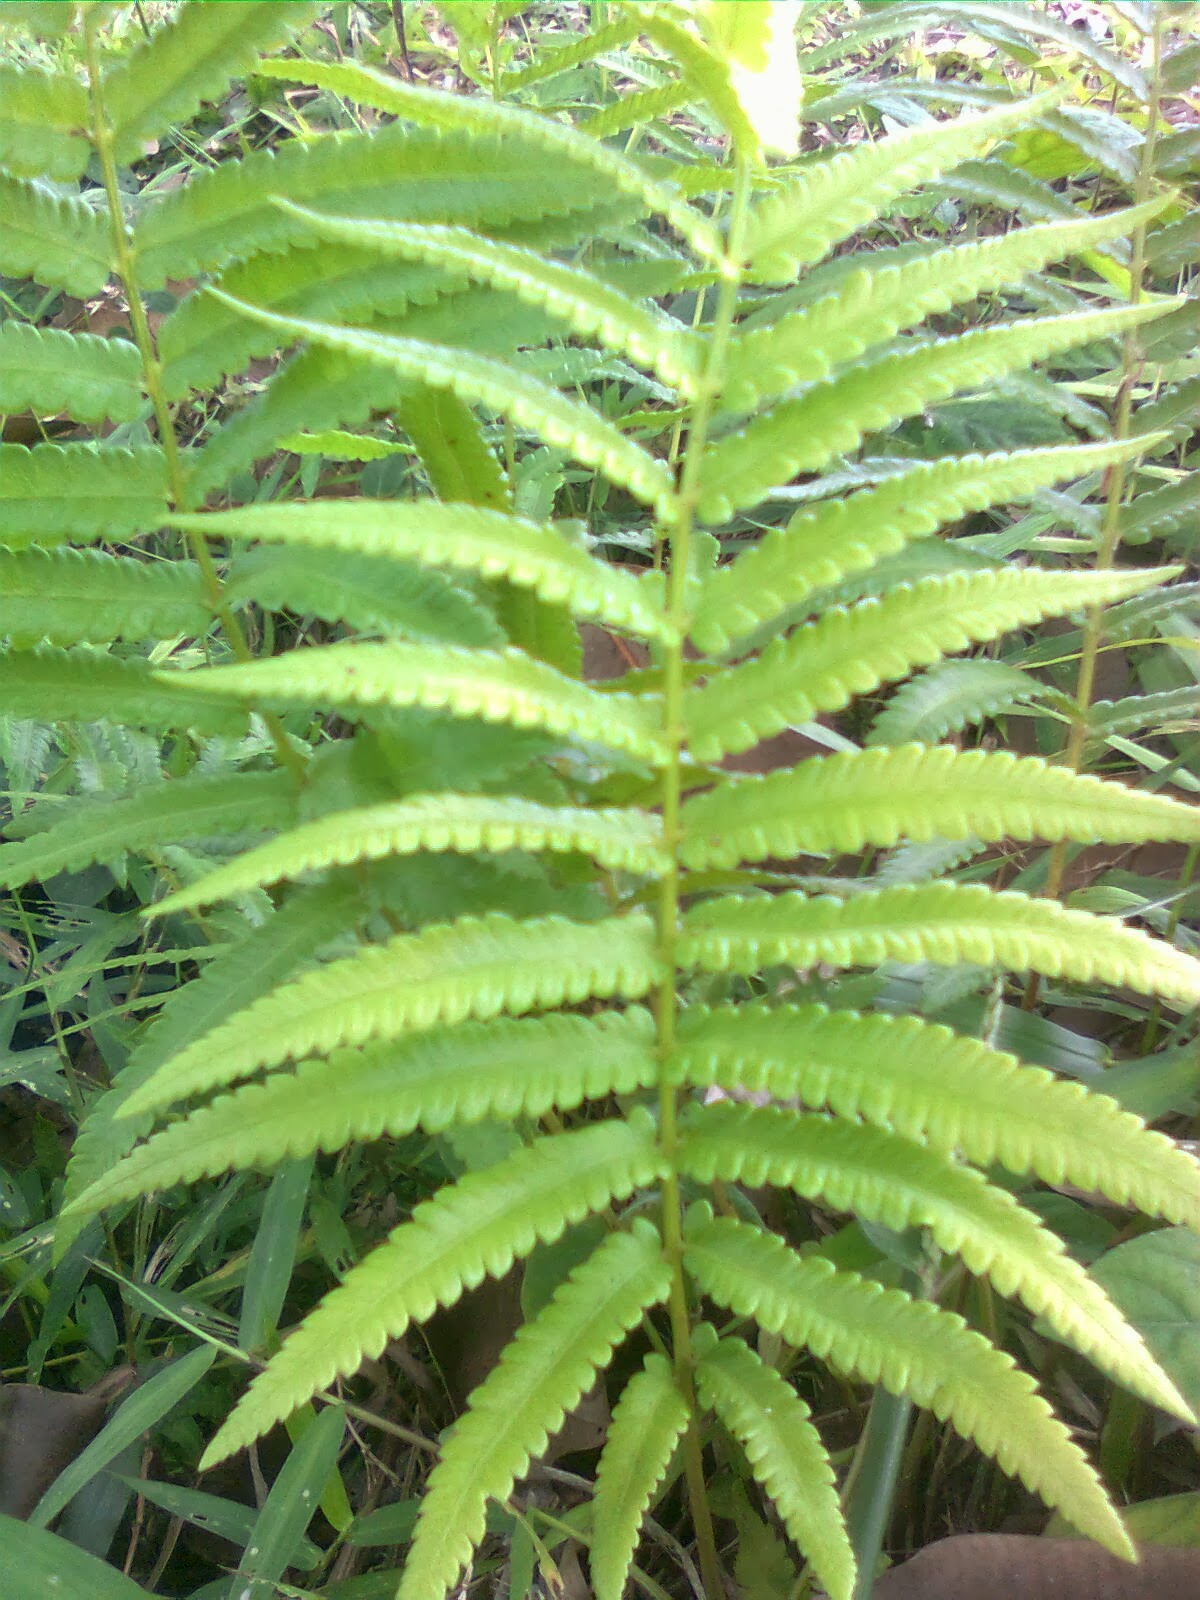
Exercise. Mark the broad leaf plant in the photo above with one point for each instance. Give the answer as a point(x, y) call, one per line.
point(603, 1001)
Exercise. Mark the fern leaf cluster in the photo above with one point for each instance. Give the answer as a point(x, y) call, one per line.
point(498, 893)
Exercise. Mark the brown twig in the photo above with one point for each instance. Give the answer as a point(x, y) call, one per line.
point(402, 38)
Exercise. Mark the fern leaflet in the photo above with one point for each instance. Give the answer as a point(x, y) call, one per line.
point(586, 304)
point(542, 1374)
point(80, 492)
point(54, 238)
point(102, 828)
point(1158, 711)
point(875, 303)
point(475, 967)
point(42, 118)
point(552, 143)
point(325, 388)
point(1168, 512)
point(772, 1424)
point(469, 538)
point(831, 418)
point(235, 977)
point(834, 196)
point(950, 696)
point(86, 685)
point(945, 923)
point(706, 71)
point(229, 213)
point(923, 1081)
point(465, 1074)
point(624, 840)
point(372, 593)
point(877, 797)
point(647, 1423)
point(203, 338)
point(884, 1178)
point(838, 538)
point(850, 651)
point(909, 1346)
point(506, 686)
point(191, 58)
point(45, 370)
point(482, 380)
point(470, 1230)
point(83, 596)
point(563, 52)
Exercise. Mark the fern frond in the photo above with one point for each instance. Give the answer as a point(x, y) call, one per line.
point(588, 306)
point(57, 239)
point(370, 593)
point(401, 174)
point(885, 1178)
point(45, 370)
point(87, 597)
point(56, 492)
point(624, 840)
point(85, 685)
point(496, 686)
point(849, 651)
point(449, 972)
point(647, 1423)
point(919, 792)
point(505, 1068)
point(950, 696)
point(952, 1093)
point(235, 977)
point(202, 338)
point(912, 1348)
point(945, 923)
point(482, 380)
point(833, 197)
point(190, 58)
point(832, 417)
point(874, 303)
point(553, 146)
point(466, 538)
point(469, 1230)
point(101, 828)
point(42, 120)
point(832, 541)
point(772, 1424)
point(552, 1361)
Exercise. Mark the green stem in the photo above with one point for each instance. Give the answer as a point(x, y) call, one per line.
point(1115, 480)
point(668, 904)
point(872, 1490)
point(1182, 885)
point(124, 257)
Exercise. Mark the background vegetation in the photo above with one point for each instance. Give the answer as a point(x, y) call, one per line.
point(139, 1334)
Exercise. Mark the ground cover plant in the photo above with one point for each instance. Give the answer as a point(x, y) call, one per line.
point(710, 1027)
